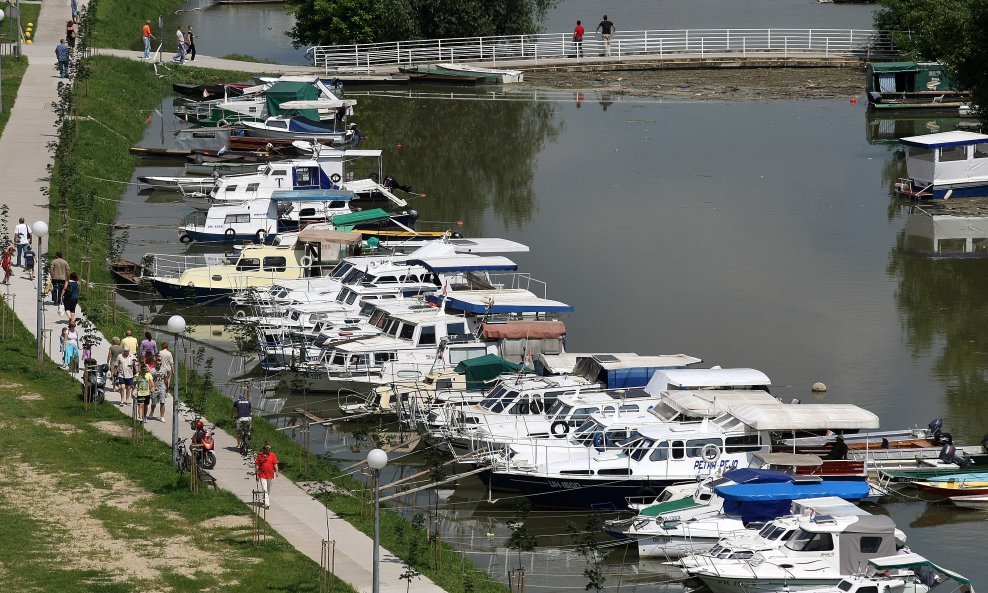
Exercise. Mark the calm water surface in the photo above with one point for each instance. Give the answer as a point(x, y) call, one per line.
point(749, 234)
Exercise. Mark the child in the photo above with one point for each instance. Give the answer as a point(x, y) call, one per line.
point(6, 264)
point(87, 349)
point(61, 341)
point(158, 397)
point(29, 262)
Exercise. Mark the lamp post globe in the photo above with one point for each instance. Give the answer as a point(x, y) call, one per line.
point(40, 230)
point(40, 227)
point(176, 324)
point(377, 459)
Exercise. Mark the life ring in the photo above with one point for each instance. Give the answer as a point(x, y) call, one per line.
point(223, 123)
point(185, 239)
point(710, 453)
point(230, 233)
point(240, 314)
point(335, 178)
point(259, 236)
point(559, 428)
point(306, 261)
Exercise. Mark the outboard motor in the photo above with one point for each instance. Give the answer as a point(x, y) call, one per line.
point(935, 426)
point(949, 455)
point(943, 438)
point(984, 444)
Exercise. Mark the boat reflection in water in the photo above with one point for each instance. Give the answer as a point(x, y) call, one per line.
point(887, 128)
point(948, 229)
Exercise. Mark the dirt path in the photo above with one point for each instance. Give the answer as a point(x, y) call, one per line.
point(729, 84)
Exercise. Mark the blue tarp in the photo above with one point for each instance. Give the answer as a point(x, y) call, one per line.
point(629, 377)
point(766, 501)
point(302, 124)
point(312, 195)
point(747, 476)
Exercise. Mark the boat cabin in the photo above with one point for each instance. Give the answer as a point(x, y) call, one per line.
point(619, 370)
point(714, 378)
point(911, 85)
point(945, 165)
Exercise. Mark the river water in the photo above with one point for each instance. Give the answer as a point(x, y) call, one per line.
point(222, 28)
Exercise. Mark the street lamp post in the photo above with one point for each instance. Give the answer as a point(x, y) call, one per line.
point(176, 325)
point(1, 70)
point(377, 459)
point(40, 229)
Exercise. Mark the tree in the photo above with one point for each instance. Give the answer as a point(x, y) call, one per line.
point(952, 32)
point(332, 22)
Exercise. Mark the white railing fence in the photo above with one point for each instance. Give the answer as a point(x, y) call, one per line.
point(821, 43)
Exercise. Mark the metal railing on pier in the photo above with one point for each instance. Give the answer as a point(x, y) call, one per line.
point(861, 44)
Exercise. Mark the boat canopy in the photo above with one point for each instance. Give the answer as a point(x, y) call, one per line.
point(805, 417)
point(901, 66)
point(284, 91)
point(945, 139)
point(480, 371)
point(677, 379)
point(789, 490)
point(464, 263)
point(747, 475)
point(832, 506)
point(499, 301)
point(636, 371)
point(713, 402)
point(311, 234)
point(912, 560)
point(789, 459)
point(523, 330)
point(487, 245)
point(670, 506)
point(312, 195)
point(564, 363)
point(349, 220)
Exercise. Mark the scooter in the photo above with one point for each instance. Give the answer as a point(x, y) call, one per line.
point(205, 457)
point(94, 381)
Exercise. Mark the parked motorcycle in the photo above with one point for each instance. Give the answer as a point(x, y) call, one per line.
point(205, 457)
point(94, 381)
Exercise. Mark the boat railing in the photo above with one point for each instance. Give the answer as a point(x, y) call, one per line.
point(857, 44)
point(518, 281)
point(162, 265)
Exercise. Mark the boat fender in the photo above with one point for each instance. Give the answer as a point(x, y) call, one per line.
point(240, 314)
point(306, 261)
point(185, 239)
point(710, 453)
point(559, 428)
point(223, 123)
point(335, 178)
point(259, 236)
point(230, 233)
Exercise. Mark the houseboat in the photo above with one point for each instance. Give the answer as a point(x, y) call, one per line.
point(912, 85)
point(945, 165)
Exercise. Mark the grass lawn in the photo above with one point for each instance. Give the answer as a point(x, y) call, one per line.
point(29, 14)
point(13, 72)
point(83, 509)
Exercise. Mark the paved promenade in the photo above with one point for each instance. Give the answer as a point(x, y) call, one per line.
point(298, 517)
point(165, 60)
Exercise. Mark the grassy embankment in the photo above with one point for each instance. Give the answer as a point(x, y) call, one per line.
point(120, 22)
point(83, 509)
point(13, 72)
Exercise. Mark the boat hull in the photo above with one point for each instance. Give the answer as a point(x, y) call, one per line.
point(608, 492)
point(720, 584)
point(196, 294)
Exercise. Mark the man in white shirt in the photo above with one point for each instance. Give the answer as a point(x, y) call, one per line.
point(22, 238)
point(180, 38)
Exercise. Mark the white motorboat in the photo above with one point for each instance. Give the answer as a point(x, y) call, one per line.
point(972, 501)
point(500, 75)
point(179, 184)
point(901, 573)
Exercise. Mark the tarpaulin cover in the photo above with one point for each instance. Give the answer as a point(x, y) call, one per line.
point(483, 369)
point(746, 475)
point(524, 330)
point(282, 92)
point(770, 500)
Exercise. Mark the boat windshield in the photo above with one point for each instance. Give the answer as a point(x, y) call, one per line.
point(845, 585)
point(492, 397)
point(341, 297)
point(354, 276)
point(341, 269)
point(504, 402)
point(805, 541)
point(585, 433)
point(773, 532)
point(639, 448)
point(559, 410)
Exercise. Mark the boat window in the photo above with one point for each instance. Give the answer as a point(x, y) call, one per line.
point(521, 408)
point(307, 212)
point(275, 263)
point(772, 532)
point(428, 335)
point(923, 154)
point(251, 187)
point(628, 408)
point(742, 444)
point(353, 276)
point(339, 359)
point(377, 318)
point(663, 411)
point(392, 328)
point(608, 410)
point(383, 357)
point(953, 153)
point(358, 360)
point(303, 175)
point(870, 544)
point(295, 315)
point(336, 205)
point(981, 151)
point(661, 452)
point(341, 270)
point(504, 402)
point(872, 589)
point(559, 410)
point(455, 329)
point(248, 264)
point(387, 280)
point(231, 188)
point(281, 172)
point(678, 450)
point(411, 278)
point(616, 438)
point(695, 446)
point(407, 329)
point(491, 398)
point(341, 298)
point(278, 124)
point(458, 355)
point(366, 309)
point(236, 218)
point(845, 585)
point(581, 414)
point(804, 541)
point(351, 298)
point(644, 446)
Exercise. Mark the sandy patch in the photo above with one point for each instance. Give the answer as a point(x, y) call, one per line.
point(112, 428)
point(226, 522)
point(31, 397)
point(62, 428)
point(44, 498)
point(6, 385)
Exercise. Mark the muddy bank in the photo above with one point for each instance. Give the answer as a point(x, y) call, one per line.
point(732, 84)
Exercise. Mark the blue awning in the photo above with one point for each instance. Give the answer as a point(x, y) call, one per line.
point(312, 195)
point(465, 263)
point(846, 489)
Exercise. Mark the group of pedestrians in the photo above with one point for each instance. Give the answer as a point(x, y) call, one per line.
point(185, 42)
point(605, 28)
point(142, 373)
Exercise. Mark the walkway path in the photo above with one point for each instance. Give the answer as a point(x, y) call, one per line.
point(24, 155)
point(210, 62)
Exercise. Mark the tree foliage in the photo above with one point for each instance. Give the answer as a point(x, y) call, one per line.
point(952, 32)
point(329, 22)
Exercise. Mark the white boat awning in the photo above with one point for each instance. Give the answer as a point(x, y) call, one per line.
point(500, 301)
point(464, 263)
point(700, 378)
point(944, 139)
point(911, 561)
point(714, 402)
point(805, 417)
point(555, 364)
point(487, 245)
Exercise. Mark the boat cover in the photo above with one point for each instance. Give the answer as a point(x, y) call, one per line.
point(961, 477)
point(323, 235)
point(355, 218)
point(312, 195)
point(944, 139)
point(614, 372)
point(861, 535)
point(499, 301)
point(523, 330)
point(480, 371)
point(790, 459)
point(747, 475)
point(805, 417)
point(764, 501)
point(700, 378)
point(900, 561)
point(714, 402)
point(557, 364)
point(671, 506)
point(282, 92)
point(464, 263)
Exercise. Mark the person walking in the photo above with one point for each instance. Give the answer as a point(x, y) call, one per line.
point(71, 346)
point(70, 33)
point(147, 36)
point(159, 394)
point(180, 40)
point(62, 55)
point(70, 296)
point(241, 411)
point(111, 359)
point(167, 363)
point(126, 367)
point(190, 42)
point(22, 238)
point(29, 262)
point(145, 385)
point(606, 28)
point(59, 275)
point(149, 348)
point(266, 464)
point(7, 264)
point(578, 32)
point(130, 342)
